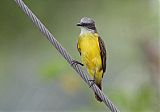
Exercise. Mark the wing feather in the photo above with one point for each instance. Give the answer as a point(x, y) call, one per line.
point(102, 53)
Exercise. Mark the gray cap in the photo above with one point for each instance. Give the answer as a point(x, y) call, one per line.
point(87, 20)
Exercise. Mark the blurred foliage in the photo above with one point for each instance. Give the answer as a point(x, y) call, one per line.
point(141, 101)
point(34, 77)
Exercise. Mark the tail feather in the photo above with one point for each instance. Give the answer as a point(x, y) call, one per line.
point(96, 95)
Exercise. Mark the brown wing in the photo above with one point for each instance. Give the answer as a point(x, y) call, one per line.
point(102, 53)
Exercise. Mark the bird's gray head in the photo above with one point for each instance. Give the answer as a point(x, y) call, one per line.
point(87, 24)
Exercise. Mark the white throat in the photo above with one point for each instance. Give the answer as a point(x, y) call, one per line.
point(86, 31)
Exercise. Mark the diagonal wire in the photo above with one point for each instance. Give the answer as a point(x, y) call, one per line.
point(64, 53)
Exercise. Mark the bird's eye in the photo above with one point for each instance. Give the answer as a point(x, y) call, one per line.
point(86, 24)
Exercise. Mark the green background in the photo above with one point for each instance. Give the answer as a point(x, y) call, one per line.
point(35, 77)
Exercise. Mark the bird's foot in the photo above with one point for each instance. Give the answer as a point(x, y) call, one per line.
point(92, 82)
point(74, 62)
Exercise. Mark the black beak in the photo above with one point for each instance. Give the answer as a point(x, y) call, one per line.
point(79, 24)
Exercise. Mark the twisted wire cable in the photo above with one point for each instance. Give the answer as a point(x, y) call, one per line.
point(65, 54)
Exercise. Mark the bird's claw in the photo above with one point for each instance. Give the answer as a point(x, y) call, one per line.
point(74, 62)
point(92, 82)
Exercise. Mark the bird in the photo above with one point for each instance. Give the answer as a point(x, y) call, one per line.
point(92, 50)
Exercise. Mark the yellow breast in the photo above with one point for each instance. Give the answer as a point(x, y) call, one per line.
point(90, 51)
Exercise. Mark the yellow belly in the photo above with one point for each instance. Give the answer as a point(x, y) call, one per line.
point(90, 54)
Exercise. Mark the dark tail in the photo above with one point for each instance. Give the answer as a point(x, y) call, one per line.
point(96, 96)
